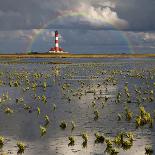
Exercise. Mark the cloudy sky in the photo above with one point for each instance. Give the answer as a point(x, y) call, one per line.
point(86, 26)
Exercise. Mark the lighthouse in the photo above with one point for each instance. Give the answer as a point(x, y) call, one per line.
point(56, 41)
point(57, 48)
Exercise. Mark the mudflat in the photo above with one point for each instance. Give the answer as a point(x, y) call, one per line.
point(66, 55)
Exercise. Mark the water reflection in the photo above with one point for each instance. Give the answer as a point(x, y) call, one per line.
point(74, 102)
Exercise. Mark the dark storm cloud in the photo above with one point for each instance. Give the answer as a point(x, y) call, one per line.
point(29, 14)
point(138, 13)
point(20, 14)
point(82, 23)
point(81, 14)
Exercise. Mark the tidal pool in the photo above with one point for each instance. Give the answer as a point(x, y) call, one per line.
point(96, 95)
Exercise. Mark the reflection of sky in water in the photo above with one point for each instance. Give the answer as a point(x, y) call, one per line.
point(24, 126)
point(59, 146)
point(95, 149)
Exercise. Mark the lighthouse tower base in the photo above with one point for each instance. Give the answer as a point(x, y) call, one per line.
point(54, 51)
point(57, 52)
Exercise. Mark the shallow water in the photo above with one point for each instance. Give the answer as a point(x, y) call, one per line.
point(74, 103)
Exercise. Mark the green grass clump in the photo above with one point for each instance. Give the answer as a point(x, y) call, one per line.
point(2, 139)
point(44, 85)
point(47, 121)
point(54, 107)
point(128, 114)
point(109, 144)
point(71, 141)
point(63, 125)
point(44, 99)
point(126, 144)
point(114, 151)
point(27, 107)
point(144, 118)
point(8, 110)
point(148, 150)
point(99, 138)
point(73, 125)
point(124, 140)
point(118, 97)
point(16, 84)
point(43, 130)
point(38, 110)
point(96, 113)
point(109, 149)
point(21, 147)
point(85, 137)
point(119, 117)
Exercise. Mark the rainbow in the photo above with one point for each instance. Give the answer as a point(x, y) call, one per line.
point(74, 13)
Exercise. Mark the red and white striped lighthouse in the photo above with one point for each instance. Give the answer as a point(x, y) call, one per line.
point(56, 49)
point(56, 41)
